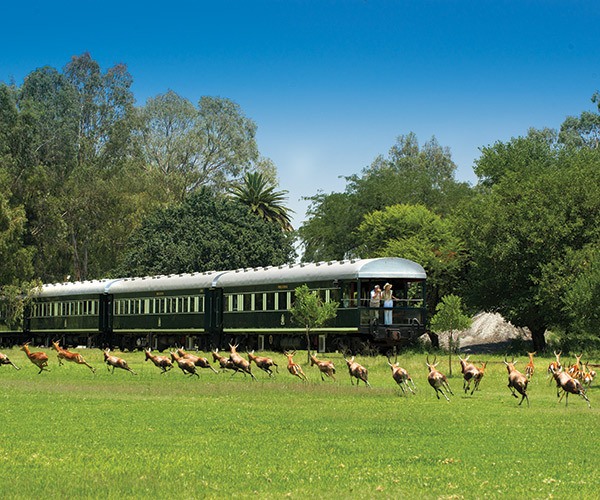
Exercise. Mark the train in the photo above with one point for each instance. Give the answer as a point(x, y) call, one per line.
point(250, 306)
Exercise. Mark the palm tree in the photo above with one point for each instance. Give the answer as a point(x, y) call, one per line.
point(262, 199)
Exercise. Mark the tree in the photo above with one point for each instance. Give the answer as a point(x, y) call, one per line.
point(409, 175)
point(524, 231)
point(16, 257)
point(582, 301)
point(582, 131)
point(449, 317)
point(205, 232)
point(260, 196)
point(416, 233)
point(16, 298)
point(311, 312)
point(536, 151)
point(191, 147)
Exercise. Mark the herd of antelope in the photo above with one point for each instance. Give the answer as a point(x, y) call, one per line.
point(575, 379)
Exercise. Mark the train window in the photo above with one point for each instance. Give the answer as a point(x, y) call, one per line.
point(258, 301)
point(270, 301)
point(248, 302)
point(282, 302)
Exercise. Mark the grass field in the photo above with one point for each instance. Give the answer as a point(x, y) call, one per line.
point(69, 433)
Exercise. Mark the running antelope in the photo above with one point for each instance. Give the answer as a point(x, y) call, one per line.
point(187, 365)
point(116, 362)
point(5, 361)
point(437, 379)
point(357, 371)
point(575, 369)
point(529, 367)
point(264, 363)
point(588, 375)
point(555, 366)
point(199, 361)
point(569, 385)
point(516, 381)
point(471, 374)
point(39, 359)
point(224, 363)
point(162, 362)
point(325, 367)
point(293, 367)
point(242, 364)
point(67, 355)
point(401, 377)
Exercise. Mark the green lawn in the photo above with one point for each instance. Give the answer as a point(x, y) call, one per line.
point(70, 434)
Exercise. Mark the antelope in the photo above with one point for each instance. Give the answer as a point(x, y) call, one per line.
point(199, 361)
point(116, 362)
point(437, 379)
point(401, 376)
point(242, 364)
point(357, 371)
point(39, 359)
point(555, 366)
point(187, 365)
point(161, 362)
point(5, 361)
point(263, 363)
point(471, 374)
point(294, 368)
point(325, 367)
point(517, 381)
point(67, 355)
point(529, 367)
point(468, 371)
point(569, 385)
point(224, 363)
point(588, 375)
point(575, 369)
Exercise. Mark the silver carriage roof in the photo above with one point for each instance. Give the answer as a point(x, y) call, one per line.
point(388, 268)
point(380, 268)
point(75, 288)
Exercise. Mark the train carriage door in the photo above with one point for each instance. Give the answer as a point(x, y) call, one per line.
point(105, 318)
point(213, 311)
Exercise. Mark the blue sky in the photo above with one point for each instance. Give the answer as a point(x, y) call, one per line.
point(331, 84)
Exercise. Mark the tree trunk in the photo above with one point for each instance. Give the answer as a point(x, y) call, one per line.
point(308, 344)
point(537, 335)
point(450, 347)
point(435, 340)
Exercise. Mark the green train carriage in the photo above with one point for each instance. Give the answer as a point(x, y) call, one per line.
point(251, 306)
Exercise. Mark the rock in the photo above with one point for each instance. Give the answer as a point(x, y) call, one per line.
point(489, 331)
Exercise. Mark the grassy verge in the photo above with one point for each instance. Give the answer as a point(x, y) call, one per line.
point(70, 433)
